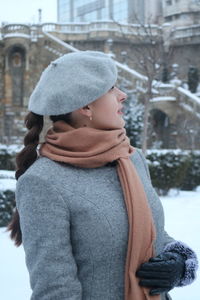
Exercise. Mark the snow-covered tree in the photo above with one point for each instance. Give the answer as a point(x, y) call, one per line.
point(134, 121)
point(133, 112)
point(150, 57)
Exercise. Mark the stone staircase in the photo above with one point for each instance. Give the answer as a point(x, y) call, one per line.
point(163, 92)
point(172, 99)
point(55, 32)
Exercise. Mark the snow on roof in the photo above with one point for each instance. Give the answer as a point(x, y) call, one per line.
point(163, 98)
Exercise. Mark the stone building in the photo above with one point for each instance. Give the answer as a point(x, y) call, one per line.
point(22, 59)
point(26, 50)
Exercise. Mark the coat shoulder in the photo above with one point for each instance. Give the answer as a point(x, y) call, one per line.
point(47, 170)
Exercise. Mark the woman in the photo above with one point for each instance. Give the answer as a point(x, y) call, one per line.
point(91, 224)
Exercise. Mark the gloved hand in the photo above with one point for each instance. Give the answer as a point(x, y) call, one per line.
point(162, 273)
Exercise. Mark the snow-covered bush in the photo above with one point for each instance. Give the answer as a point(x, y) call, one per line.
point(192, 178)
point(6, 160)
point(7, 196)
point(174, 169)
point(133, 110)
point(7, 156)
point(134, 121)
point(7, 205)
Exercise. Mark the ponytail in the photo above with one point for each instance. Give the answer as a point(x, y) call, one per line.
point(24, 159)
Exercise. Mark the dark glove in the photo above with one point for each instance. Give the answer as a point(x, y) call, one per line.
point(162, 273)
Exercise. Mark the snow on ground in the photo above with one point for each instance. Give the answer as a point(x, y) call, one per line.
point(182, 222)
point(7, 180)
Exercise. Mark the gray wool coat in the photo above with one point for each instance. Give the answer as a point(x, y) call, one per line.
point(75, 229)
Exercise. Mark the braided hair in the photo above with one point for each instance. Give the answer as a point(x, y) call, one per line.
point(25, 158)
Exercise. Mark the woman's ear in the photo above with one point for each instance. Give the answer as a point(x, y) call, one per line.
point(86, 111)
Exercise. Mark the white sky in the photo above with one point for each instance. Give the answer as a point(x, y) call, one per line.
point(26, 11)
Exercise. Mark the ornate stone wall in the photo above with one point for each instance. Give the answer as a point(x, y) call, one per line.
point(24, 57)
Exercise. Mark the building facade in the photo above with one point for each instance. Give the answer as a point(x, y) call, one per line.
point(91, 10)
point(25, 51)
point(128, 11)
point(178, 12)
point(181, 12)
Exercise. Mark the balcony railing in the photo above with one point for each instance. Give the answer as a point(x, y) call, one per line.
point(88, 27)
point(10, 30)
point(185, 32)
point(15, 29)
point(77, 28)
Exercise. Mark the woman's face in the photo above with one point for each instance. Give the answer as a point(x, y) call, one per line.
point(106, 111)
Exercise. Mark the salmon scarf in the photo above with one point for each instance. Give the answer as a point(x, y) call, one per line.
point(91, 148)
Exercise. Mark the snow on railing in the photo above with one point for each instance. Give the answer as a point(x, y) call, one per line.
point(185, 32)
point(131, 71)
point(120, 65)
point(124, 67)
point(60, 42)
point(194, 99)
point(32, 32)
point(15, 30)
point(87, 27)
point(66, 28)
point(189, 101)
point(81, 27)
point(71, 48)
point(103, 25)
point(163, 98)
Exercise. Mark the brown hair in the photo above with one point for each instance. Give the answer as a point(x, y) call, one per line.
point(25, 158)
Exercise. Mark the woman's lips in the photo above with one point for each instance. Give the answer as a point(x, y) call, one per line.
point(120, 112)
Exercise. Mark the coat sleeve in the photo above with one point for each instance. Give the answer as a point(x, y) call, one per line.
point(45, 226)
point(170, 244)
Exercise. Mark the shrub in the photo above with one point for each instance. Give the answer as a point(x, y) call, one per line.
point(7, 205)
point(6, 160)
point(192, 176)
point(7, 156)
point(174, 169)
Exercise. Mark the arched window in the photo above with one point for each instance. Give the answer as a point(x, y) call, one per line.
point(16, 59)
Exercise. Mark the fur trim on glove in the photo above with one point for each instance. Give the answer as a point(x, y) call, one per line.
point(191, 261)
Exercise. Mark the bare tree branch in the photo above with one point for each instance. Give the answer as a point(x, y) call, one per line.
point(149, 55)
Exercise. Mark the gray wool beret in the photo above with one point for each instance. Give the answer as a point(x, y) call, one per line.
point(73, 81)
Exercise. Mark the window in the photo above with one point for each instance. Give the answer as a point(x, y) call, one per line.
point(168, 19)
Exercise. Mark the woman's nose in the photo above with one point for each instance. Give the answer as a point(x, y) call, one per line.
point(122, 96)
